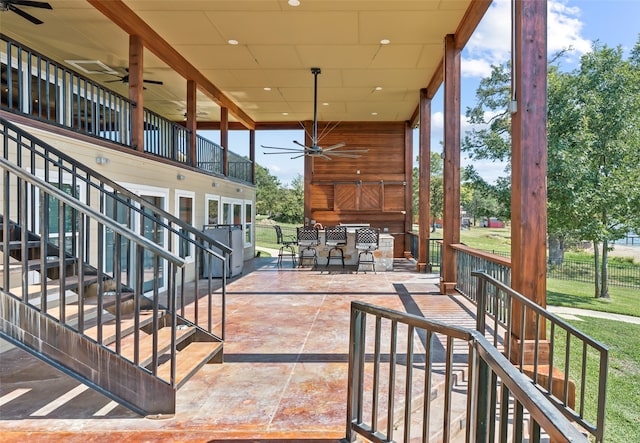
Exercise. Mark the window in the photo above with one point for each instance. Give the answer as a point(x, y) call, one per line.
point(184, 203)
point(248, 223)
point(212, 209)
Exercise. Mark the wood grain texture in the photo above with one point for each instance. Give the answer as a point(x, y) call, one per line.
point(337, 193)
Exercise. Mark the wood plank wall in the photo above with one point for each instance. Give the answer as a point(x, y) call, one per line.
point(338, 194)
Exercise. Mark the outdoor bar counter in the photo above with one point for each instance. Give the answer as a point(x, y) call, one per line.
point(383, 256)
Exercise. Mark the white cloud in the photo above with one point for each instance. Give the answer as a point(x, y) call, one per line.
point(491, 42)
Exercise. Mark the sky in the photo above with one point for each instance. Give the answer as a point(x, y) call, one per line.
point(572, 24)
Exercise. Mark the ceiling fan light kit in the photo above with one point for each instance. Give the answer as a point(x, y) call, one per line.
point(315, 150)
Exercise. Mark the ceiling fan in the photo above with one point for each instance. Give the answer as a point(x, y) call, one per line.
point(314, 150)
point(125, 79)
point(10, 5)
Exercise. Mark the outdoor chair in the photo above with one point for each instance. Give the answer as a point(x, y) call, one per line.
point(335, 237)
point(308, 239)
point(287, 246)
point(367, 241)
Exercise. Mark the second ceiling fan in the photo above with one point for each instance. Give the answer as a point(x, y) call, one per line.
point(315, 150)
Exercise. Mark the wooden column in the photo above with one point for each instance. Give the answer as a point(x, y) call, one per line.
point(529, 158)
point(408, 188)
point(136, 89)
point(192, 124)
point(252, 154)
point(451, 173)
point(424, 177)
point(224, 139)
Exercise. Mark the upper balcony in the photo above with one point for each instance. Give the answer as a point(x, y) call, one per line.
point(45, 90)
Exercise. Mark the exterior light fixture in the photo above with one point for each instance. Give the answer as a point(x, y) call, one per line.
point(214, 184)
point(102, 160)
point(180, 177)
point(238, 189)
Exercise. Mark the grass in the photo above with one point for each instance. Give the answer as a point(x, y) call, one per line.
point(622, 417)
point(581, 295)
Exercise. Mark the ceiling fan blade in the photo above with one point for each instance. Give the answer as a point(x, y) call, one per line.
point(283, 149)
point(336, 146)
point(31, 18)
point(300, 144)
point(43, 5)
point(153, 82)
point(350, 151)
point(326, 157)
point(336, 154)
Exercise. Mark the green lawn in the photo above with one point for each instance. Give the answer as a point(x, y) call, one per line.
point(622, 418)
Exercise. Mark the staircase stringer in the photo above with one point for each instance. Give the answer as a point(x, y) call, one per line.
point(84, 359)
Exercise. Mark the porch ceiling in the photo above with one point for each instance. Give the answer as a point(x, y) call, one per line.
point(278, 44)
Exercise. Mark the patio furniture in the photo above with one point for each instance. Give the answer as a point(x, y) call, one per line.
point(367, 241)
point(308, 239)
point(287, 247)
point(335, 237)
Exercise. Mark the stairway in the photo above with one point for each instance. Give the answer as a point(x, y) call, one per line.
point(107, 305)
point(84, 329)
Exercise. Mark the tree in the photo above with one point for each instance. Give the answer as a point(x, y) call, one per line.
point(291, 208)
point(436, 188)
point(267, 192)
point(593, 147)
point(599, 133)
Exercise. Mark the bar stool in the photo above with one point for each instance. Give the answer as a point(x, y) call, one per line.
point(308, 239)
point(367, 240)
point(335, 237)
point(287, 247)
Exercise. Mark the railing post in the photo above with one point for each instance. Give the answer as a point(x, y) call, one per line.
point(481, 301)
point(353, 377)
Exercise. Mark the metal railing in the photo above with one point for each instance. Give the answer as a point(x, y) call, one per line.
point(556, 356)
point(98, 233)
point(414, 379)
point(434, 250)
point(470, 259)
point(48, 91)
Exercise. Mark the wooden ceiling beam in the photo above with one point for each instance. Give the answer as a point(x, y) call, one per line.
point(131, 23)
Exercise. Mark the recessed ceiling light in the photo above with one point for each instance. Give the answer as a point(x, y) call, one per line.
point(266, 88)
point(294, 2)
point(285, 113)
point(378, 88)
point(232, 42)
point(325, 104)
point(385, 41)
point(374, 113)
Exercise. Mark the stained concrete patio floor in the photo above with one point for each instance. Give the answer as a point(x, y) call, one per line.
point(284, 376)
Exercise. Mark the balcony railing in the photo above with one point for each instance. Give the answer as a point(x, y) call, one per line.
point(485, 279)
point(48, 91)
point(415, 379)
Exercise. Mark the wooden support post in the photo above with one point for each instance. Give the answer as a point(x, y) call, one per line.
point(224, 139)
point(529, 161)
point(252, 154)
point(451, 176)
point(192, 124)
point(136, 66)
point(424, 174)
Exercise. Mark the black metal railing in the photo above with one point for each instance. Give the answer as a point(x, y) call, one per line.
point(31, 84)
point(124, 246)
point(414, 379)
point(470, 259)
point(555, 355)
